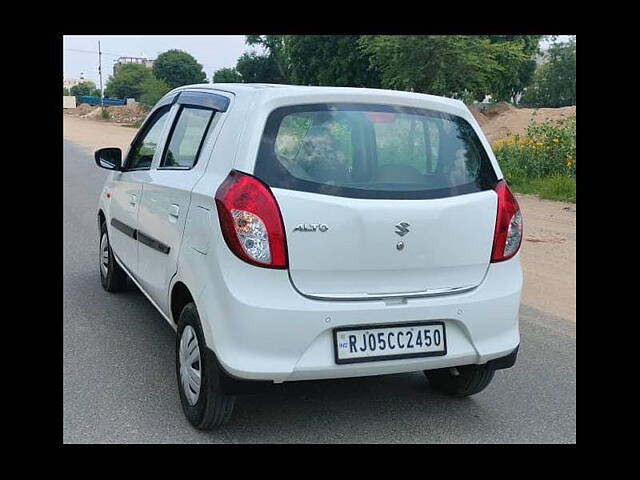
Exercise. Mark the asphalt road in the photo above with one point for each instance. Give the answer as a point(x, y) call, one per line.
point(119, 381)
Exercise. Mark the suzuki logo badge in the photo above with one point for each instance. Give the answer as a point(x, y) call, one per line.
point(401, 228)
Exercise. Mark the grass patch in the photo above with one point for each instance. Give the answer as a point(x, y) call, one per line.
point(555, 187)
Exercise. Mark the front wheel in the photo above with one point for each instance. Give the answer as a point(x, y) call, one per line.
point(460, 381)
point(112, 276)
point(199, 376)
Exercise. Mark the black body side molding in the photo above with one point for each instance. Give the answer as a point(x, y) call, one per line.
point(153, 243)
point(124, 228)
point(141, 237)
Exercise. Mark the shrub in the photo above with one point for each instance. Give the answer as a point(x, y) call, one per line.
point(543, 162)
point(547, 149)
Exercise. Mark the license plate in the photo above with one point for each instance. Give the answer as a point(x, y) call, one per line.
point(409, 340)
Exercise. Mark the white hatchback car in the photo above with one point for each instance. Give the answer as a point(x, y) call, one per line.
point(295, 233)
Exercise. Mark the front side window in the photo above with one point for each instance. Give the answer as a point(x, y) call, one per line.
point(187, 138)
point(145, 147)
point(372, 151)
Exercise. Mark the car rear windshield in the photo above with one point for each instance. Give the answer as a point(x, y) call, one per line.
point(372, 151)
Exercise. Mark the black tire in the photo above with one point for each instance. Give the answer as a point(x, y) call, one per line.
point(472, 379)
point(115, 279)
point(212, 408)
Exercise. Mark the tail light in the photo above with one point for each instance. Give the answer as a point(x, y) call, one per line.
point(251, 222)
point(508, 234)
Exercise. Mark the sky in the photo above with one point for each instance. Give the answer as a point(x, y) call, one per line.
point(80, 54)
point(211, 51)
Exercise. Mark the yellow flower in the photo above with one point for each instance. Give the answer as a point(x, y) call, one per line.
point(556, 140)
point(570, 160)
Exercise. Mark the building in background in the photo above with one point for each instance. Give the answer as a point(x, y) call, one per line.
point(122, 60)
point(68, 82)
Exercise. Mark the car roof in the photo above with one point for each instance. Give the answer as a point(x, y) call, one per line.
point(262, 98)
point(272, 90)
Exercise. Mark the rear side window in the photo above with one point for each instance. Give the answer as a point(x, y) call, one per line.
point(372, 151)
point(187, 138)
point(145, 147)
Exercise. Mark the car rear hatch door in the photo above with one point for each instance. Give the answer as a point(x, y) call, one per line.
point(380, 200)
point(363, 248)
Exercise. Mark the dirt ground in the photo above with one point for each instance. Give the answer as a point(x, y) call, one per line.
point(549, 255)
point(94, 134)
point(548, 252)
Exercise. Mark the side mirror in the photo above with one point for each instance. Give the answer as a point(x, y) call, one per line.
point(109, 158)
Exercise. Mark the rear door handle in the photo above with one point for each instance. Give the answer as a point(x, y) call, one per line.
point(132, 199)
point(174, 211)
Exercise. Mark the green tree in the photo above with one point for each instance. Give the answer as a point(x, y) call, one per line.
point(254, 68)
point(226, 75)
point(334, 60)
point(65, 91)
point(276, 48)
point(518, 65)
point(554, 82)
point(152, 90)
point(463, 67)
point(83, 88)
point(127, 81)
point(177, 68)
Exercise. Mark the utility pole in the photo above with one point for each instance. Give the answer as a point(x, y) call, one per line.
point(100, 73)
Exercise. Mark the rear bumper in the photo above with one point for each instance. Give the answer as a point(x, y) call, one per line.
point(507, 361)
point(260, 328)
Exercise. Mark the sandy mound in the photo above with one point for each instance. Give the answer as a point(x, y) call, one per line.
point(127, 113)
point(95, 113)
point(502, 119)
point(480, 117)
point(80, 110)
point(118, 114)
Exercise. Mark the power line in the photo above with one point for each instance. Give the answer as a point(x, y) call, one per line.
point(94, 52)
point(204, 65)
point(118, 55)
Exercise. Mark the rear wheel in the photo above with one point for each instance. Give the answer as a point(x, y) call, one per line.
point(112, 276)
point(460, 381)
point(199, 376)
